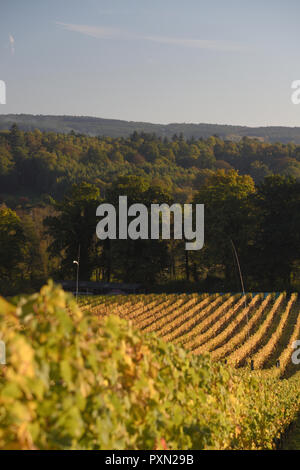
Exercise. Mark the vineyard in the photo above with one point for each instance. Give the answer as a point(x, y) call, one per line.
point(181, 371)
point(255, 330)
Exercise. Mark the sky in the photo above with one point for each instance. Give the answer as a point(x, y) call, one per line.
point(160, 61)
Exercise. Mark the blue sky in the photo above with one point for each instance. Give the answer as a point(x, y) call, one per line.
point(162, 61)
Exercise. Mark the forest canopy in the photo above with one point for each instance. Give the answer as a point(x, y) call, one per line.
point(37, 164)
point(51, 185)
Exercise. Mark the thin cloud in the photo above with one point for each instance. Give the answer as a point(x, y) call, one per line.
point(12, 44)
point(115, 33)
point(197, 43)
point(95, 31)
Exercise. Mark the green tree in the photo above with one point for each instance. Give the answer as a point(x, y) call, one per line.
point(277, 245)
point(225, 196)
point(135, 260)
point(12, 249)
point(74, 226)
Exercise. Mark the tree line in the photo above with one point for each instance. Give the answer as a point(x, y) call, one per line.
point(258, 224)
point(35, 165)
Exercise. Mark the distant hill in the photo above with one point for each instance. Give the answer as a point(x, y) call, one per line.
point(117, 128)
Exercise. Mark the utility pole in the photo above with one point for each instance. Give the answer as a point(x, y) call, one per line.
point(77, 262)
point(242, 282)
point(240, 272)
